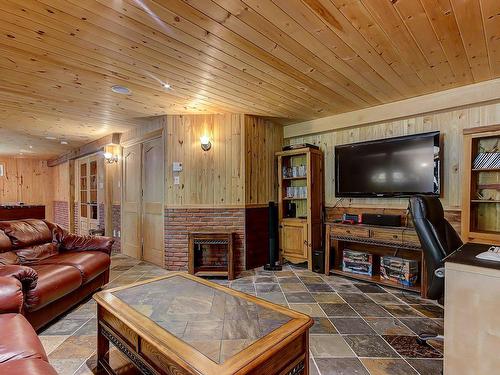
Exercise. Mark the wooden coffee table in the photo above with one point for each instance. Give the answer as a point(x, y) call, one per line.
point(180, 324)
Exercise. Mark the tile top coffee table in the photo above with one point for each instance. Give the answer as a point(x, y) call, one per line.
point(181, 324)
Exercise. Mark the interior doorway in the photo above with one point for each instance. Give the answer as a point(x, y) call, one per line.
point(142, 201)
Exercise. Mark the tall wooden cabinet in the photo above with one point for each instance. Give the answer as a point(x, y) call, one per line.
point(300, 204)
point(481, 185)
point(87, 188)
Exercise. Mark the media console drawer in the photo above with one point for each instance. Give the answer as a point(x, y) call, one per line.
point(387, 235)
point(351, 231)
point(410, 237)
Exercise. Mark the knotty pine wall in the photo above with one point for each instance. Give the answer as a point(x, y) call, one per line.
point(449, 123)
point(263, 139)
point(238, 170)
point(209, 178)
point(27, 180)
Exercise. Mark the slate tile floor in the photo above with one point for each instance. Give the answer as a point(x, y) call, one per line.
point(359, 328)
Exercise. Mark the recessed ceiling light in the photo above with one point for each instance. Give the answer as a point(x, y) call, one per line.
point(49, 137)
point(64, 142)
point(30, 146)
point(120, 89)
point(166, 86)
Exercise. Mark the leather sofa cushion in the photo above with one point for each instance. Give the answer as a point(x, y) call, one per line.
point(34, 254)
point(27, 366)
point(54, 282)
point(18, 340)
point(25, 233)
point(90, 263)
point(5, 244)
point(8, 258)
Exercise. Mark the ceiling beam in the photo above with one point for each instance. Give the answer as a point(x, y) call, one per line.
point(87, 149)
point(487, 91)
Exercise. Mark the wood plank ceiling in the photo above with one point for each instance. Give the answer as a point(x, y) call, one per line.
point(290, 59)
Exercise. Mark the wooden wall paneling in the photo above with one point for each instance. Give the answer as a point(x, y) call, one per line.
point(61, 181)
point(450, 123)
point(108, 176)
point(209, 178)
point(8, 183)
point(263, 138)
point(29, 181)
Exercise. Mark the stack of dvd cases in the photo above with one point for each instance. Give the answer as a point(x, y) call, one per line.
point(357, 262)
point(487, 160)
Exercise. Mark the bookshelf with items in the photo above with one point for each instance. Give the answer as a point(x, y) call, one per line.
point(300, 203)
point(481, 187)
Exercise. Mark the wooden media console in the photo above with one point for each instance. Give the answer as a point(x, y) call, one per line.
point(378, 241)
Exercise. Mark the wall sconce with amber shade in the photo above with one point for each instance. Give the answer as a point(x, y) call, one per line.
point(205, 143)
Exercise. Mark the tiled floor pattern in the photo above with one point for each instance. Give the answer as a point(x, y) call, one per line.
point(360, 328)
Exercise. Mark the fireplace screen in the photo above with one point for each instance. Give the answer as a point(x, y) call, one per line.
point(211, 254)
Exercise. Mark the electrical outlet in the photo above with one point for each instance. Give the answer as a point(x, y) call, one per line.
point(119, 234)
point(177, 180)
point(177, 166)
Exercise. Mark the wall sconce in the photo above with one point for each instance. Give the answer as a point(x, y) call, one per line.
point(110, 158)
point(205, 143)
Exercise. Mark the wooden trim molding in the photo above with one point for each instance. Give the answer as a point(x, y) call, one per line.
point(143, 138)
point(487, 91)
point(482, 129)
point(87, 149)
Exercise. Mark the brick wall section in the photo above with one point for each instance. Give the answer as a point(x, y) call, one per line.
point(76, 218)
point(116, 212)
point(180, 221)
point(100, 215)
point(61, 213)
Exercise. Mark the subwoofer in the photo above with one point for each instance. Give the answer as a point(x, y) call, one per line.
point(273, 239)
point(318, 261)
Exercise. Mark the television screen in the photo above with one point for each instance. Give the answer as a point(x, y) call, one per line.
point(394, 167)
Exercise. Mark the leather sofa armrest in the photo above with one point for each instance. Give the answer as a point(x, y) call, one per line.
point(26, 275)
point(11, 295)
point(73, 242)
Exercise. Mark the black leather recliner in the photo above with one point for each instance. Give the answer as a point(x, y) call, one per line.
point(438, 240)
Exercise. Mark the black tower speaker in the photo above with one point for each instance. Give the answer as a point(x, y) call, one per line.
point(273, 239)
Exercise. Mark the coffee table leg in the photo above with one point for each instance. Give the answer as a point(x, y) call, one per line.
point(102, 345)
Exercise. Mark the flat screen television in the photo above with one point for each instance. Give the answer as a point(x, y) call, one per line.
point(393, 167)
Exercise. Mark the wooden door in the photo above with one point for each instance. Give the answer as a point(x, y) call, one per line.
point(131, 236)
point(294, 240)
point(152, 201)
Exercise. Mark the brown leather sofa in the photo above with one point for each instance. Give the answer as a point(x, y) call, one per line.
point(21, 351)
point(56, 269)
